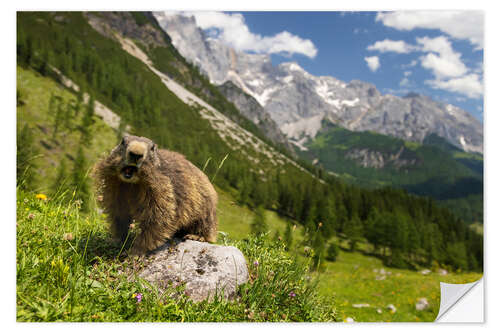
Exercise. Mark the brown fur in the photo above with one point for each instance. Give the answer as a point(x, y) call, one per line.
point(167, 195)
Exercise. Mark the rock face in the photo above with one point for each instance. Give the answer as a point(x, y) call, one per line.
point(298, 101)
point(253, 111)
point(205, 269)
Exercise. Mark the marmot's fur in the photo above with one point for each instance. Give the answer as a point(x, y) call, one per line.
point(162, 192)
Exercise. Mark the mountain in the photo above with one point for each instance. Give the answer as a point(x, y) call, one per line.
point(298, 102)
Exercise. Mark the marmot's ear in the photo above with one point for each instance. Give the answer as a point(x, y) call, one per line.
point(153, 147)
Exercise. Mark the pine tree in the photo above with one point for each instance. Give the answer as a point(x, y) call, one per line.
point(26, 158)
point(332, 252)
point(354, 232)
point(86, 137)
point(259, 225)
point(318, 245)
point(288, 237)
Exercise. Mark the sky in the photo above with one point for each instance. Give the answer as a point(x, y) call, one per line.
point(435, 53)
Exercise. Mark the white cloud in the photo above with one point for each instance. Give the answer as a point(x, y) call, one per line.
point(387, 45)
point(469, 85)
point(449, 71)
point(467, 25)
point(232, 29)
point(404, 82)
point(442, 60)
point(373, 63)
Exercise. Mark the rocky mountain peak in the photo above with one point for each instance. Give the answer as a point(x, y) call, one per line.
point(298, 101)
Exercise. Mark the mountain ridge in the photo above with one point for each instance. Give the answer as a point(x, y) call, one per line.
point(297, 100)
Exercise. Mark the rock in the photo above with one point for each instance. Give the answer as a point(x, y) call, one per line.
point(422, 304)
point(391, 308)
point(362, 305)
point(380, 277)
point(379, 310)
point(349, 320)
point(442, 271)
point(205, 269)
point(425, 271)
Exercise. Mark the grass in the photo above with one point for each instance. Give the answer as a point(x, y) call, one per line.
point(36, 92)
point(352, 279)
point(68, 269)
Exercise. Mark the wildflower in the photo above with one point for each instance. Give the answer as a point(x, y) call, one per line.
point(137, 296)
point(292, 294)
point(41, 196)
point(131, 226)
point(68, 236)
point(100, 198)
point(320, 224)
point(31, 216)
point(256, 263)
point(294, 227)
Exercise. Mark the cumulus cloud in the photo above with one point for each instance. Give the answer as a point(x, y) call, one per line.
point(449, 71)
point(232, 29)
point(468, 25)
point(469, 85)
point(373, 63)
point(387, 45)
point(442, 60)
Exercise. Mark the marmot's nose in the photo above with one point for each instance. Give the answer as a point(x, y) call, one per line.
point(134, 158)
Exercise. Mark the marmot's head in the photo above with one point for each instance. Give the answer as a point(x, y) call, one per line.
point(133, 156)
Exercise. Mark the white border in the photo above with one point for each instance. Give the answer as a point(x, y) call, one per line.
point(7, 131)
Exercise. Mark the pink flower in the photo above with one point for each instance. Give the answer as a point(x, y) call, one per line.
point(292, 294)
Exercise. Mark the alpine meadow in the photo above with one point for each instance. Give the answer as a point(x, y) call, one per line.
point(346, 224)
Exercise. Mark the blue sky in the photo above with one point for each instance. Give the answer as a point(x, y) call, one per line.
point(438, 53)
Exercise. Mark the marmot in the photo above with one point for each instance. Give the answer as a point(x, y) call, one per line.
point(160, 190)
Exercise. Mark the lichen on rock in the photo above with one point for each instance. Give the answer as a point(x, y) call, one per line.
point(205, 269)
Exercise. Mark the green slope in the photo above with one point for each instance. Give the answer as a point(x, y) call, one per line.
point(434, 168)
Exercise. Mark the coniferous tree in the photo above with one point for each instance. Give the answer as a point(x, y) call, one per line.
point(332, 252)
point(259, 225)
point(354, 232)
point(26, 158)
point(86, 137)
point(318, 245)
point(288, 237)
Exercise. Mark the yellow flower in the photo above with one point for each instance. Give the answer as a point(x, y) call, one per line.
point(134, 295)
point(41, 196)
